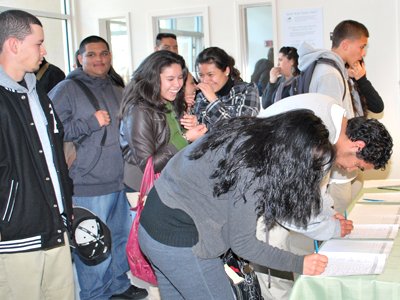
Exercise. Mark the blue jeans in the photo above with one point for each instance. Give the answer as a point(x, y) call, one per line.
point(106, 276)
point(183, 275)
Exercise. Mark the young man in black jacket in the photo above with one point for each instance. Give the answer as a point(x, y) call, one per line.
point(35, 190)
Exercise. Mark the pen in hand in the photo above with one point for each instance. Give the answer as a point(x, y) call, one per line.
point(316, 246)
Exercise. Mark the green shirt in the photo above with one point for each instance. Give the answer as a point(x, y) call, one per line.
point(176, 137)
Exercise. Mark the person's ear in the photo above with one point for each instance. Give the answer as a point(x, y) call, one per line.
point(227, 71)
point(156, 48)
point(359, 144)
point(13, 44)
point(345, 44)
point(80, 58)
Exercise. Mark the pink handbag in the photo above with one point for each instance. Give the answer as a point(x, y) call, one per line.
point(138, 262)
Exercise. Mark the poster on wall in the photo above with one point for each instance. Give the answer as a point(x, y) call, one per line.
point(303, 25)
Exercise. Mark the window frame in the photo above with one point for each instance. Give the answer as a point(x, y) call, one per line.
point(67, 28)
point(242, 45)
point(154, 16)
point(103, 33)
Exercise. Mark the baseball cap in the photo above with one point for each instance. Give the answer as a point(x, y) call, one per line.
point(91, 237)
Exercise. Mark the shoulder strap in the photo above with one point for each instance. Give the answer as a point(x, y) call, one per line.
point(96, 106)
point(42, 70)
point(333, 64)
point(301, 83)
point(88, 93)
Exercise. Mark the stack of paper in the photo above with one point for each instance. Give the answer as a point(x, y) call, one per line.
point(390, 210)
point(374, 231)
point(353, 263)
point(365, 250)
point(375, 214)
point(380, 197)
point(378, 247)
point(381, 183)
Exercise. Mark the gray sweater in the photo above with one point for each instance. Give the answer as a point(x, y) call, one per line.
point(77, 115)
point(223, 222)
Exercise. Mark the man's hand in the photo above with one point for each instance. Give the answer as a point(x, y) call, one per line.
point(103, 117)
point(346, 225)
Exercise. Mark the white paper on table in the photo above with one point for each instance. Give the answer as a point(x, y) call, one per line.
point(373, 231)
point(353, 263)
point(381, 197)
point(363, 210)
point(379, 247)
point(380, 183)
point(375, 219)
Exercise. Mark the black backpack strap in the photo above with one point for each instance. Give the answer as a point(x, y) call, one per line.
point(301, 83)
point(333, 64)
point(88, 94)
point(96, 106)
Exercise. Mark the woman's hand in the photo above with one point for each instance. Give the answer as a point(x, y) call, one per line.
point(196, 132)
point(314, 264)
point(346, 225)
point(357, 70)
point(189, 121)
point(207, 90)
point(190, 100)
point(274, 73)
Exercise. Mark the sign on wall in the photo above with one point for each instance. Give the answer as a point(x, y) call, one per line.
point(303, 25)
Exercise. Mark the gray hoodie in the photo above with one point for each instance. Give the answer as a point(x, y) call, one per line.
point(91, 176)
point(328, 81)
point(323, 226)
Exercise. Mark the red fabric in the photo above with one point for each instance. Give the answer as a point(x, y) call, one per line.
point(138, 263)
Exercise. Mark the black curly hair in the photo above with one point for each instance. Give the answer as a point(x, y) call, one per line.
point(378, 142)
point(285, 157)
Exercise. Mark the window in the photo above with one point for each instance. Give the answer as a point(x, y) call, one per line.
point(257, 35)
point(190, 25)
point(190, 36)
point(117, 36)
point(55, 19)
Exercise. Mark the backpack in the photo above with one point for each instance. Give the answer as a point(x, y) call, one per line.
point(301, 84)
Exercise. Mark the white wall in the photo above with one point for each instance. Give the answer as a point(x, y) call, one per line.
point(380, 17)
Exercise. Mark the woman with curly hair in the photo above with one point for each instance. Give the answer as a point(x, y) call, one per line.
point(279, 87)
point(152, 116)
point(223, 94)
point(249, 167)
